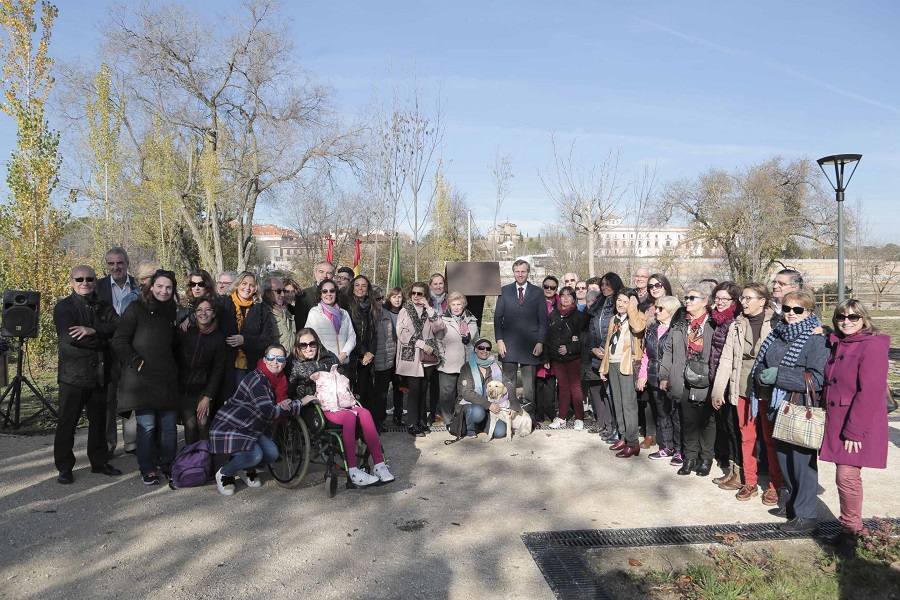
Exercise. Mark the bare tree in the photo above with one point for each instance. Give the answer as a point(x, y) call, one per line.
point(501, 173)
point(643, 192)
point(585, 196)
point(408, 140)
point(754, 215)
point(246, 119)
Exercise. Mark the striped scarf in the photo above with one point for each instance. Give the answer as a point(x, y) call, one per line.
point(795, 336)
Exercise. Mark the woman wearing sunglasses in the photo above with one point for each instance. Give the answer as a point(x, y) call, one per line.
point(689, 343)
point(331, 322)
point(787, 355)
point(418, 325)
point(544, 377)
point(199, 285)
point(201, 369)
point(856, 429)
point(311, 357)
point(478, 370)
point(148, 384)
point(239, 428)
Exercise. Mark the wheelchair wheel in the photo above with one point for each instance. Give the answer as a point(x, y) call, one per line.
point(331, 482)
point(292, 439)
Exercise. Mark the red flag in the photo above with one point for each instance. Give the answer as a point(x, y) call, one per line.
point(356, 254)
point(328, 256)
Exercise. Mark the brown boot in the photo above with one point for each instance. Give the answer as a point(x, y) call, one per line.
point(729, 474)
point(747, 492)
point(735, 482)
point(649, 441)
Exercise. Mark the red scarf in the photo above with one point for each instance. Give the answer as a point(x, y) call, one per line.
point(723, 316)
point(695, 335)
point(565, 311)
point(279, 382)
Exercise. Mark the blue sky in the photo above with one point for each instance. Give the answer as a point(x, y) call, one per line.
point(680, 85)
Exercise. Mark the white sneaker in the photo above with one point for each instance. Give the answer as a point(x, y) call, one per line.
point(383, 473)
point(579, 425)
point(361, 478)
point(250, 477)
point(557, 423)
point(224, 483)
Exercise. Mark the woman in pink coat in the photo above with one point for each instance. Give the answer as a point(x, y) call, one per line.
point(856, 429)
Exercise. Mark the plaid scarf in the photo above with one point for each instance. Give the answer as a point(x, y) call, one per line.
point(795, 336)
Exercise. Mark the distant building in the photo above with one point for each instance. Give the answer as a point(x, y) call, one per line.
point(618, 239)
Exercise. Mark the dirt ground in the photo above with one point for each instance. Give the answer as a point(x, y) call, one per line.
point(449, 527)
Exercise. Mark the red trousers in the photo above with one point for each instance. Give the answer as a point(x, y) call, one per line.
point(747, 425)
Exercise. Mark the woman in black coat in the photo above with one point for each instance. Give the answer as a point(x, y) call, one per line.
point(201, 368)
point(566, 326)
point(144, 343)
point(248, 330)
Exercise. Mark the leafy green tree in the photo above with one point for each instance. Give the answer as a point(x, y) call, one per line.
point(31, 227)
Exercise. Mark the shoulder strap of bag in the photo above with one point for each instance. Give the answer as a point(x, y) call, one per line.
point(812, 399)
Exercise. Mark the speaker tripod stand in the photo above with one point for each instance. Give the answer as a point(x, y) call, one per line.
point(14, 391)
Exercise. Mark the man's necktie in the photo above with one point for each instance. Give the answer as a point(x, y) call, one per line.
point(521, 296)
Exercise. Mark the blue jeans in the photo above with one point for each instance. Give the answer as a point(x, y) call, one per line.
point(264, 452)
point(146, 438)
point(477, 420)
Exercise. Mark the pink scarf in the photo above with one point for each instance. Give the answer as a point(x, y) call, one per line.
point(333, 313)
point(463, 326)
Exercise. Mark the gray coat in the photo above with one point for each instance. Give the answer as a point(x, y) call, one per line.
point(674, 360)
point(386, 342)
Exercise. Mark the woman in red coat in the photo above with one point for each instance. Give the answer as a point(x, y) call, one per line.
point(856, 429)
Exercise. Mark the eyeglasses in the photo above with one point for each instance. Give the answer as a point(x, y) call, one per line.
point(279, 359)
point(193, 284)
point(483, 348)
point(722, 299)
point(224, 283)
point(655, 286)
point(580, 288)
point(749, 298)
point(854, 318)
point(204, 311)
point(660, 308)
point(342, 277)
point(797, 310)
point(568, 281)
point(329, 291)
point(280, 291)
point(550, 287)
point(379, 299)
point(415, 293)
point(83, 279)
point(305, 345)
point(692, 298)
point(781, 283)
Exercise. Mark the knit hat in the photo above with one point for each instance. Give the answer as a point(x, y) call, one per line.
point(482, 339)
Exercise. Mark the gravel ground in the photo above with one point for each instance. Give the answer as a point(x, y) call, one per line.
point(449, 527)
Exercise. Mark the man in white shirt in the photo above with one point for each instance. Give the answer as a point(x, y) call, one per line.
point(113, 290)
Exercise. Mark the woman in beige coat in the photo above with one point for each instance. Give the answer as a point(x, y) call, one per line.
point(745, 335)
point(455, 344)
point(418, 325)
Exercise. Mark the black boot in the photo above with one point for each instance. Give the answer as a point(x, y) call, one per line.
point(704, 467)
point(689, 465)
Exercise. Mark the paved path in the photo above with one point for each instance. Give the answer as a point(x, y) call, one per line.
point(449, 527)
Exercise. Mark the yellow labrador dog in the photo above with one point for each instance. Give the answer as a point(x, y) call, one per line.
point(497, 394)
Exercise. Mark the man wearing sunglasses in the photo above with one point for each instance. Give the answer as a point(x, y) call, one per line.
point(84, 323)
point(113, 290)
point(520, 323)
point(785, 282)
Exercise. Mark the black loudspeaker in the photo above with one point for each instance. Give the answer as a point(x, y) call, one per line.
point(20, 314)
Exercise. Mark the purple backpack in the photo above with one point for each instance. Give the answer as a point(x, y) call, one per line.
point(192, 467)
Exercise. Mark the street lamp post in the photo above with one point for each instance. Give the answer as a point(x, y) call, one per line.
point(839, 185)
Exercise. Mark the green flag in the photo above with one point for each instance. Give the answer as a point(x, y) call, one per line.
point(396, 280)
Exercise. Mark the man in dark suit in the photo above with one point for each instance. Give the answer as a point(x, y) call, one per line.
point(520, 326)
point(307, 299)
point(113, 290)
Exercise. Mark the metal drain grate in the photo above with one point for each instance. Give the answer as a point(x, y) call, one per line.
point(560, 554)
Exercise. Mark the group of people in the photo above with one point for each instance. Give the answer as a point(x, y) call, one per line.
point(700, 377)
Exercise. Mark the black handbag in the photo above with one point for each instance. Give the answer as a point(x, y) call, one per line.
point(457, 426)
point(696, 373)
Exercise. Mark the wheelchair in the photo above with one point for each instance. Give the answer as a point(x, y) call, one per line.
point(313, 438)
